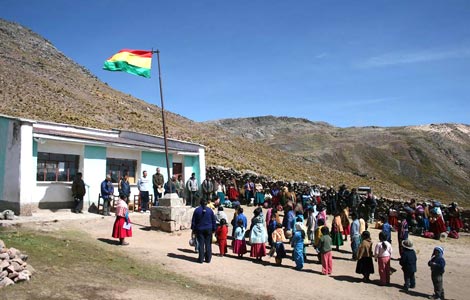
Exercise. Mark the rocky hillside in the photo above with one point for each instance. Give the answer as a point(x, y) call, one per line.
point(431, 159)
point(39, 82)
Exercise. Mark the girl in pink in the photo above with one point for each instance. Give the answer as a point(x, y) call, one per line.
point(382, 254)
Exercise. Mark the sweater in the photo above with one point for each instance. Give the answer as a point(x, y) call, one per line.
point(408, 260)
point(325, 244)
point(203, 219)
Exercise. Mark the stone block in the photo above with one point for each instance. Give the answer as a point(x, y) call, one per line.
point(6, 282)
point(171, 200)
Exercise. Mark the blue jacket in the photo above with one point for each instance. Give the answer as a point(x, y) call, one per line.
point(437, 264)
point(244, 220)
point(125, 188)
point(107, 189)
point(203, 219)
point(408, 261)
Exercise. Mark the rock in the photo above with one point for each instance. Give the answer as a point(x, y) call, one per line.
point(30, 269)
point(22, 276)
point(13, 275)
point(3, 274)
point(16, 266)
point(13, 253)
point(2, 244)
point(4, 264)
point(4, 255)
point(6, 282)
point(8, 215)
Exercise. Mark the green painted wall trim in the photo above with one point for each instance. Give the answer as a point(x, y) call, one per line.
point(95, 152)
point(4, 127)
point(155, 159)
point(193, 162)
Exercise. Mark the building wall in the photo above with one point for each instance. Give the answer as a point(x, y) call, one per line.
point(54, 195)
point(94, 172)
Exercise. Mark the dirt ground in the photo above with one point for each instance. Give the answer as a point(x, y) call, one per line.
point(172, 251)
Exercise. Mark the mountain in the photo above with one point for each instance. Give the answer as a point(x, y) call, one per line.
point(433, 160)
point(39, 82)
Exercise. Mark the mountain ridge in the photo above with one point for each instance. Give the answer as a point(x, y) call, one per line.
point(41, 83)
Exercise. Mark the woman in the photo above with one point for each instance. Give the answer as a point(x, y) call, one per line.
point(382, 254)
point(337, 231)
point(122, 225)
point(259, 194)
point(180, 186)
point(220, 191)
point(364, 265)
point(298, 244)
point(258, 235)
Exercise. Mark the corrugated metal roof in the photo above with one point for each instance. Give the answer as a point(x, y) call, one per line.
point(124, 138)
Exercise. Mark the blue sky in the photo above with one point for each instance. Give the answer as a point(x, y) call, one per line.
point(348, 63)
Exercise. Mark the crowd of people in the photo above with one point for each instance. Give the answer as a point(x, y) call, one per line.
point(301, 221)
point(299, 218)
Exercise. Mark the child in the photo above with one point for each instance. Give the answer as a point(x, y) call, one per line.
point(364, 265)
point(382, 253)
point(278, 243)
point(337, 231)
point(325, 252)
point(318, 236)
point(437, 264)
point(239, 243)
point(355, 235)
point(221, 234)
point(408, 264)
point(311, 224)
point(122, 227)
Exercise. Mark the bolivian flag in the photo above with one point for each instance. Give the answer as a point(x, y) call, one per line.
point(137, 62)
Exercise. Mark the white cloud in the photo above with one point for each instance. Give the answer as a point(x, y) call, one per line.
point(399, 58)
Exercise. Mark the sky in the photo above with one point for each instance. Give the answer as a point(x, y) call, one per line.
point(348, 63)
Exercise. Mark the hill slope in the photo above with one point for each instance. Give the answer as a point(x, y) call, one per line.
point(39, 82)
point(431, 159)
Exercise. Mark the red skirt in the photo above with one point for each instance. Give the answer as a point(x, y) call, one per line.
point(347, 230)
point(222, 246)
point(239, 246)
point(258, 250)
point(393, 221)
point(118, 231)
point(455, 223)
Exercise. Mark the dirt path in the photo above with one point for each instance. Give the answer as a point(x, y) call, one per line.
point(265, 279)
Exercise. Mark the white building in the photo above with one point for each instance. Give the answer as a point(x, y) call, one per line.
point(38, 161)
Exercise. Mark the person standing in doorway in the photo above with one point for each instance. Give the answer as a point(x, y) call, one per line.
point(107, 192)
point(78, 192)
point(143, 185)
point(192, 187)
point(158, 182)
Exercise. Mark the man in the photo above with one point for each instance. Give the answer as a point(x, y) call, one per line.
point(192, 187)
point(124, 188)
point(78, 191)
point(203, 224)
point(107, 192)
point(158, 182)
point(207, 189)
point(171, 188)
point(143, 185)
point(353, 200)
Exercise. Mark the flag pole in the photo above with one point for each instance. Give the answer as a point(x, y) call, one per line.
point(163, 120)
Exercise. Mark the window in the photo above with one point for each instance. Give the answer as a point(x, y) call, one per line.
point(56, 167)
point(117, 167)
